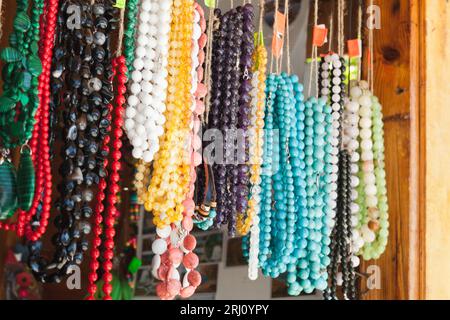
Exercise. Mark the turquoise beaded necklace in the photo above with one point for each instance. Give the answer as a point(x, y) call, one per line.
point(278, 219)
point(316, 215)
point(296, 216)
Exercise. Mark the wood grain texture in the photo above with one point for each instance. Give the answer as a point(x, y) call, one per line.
point(437, 139)
point(396, 84)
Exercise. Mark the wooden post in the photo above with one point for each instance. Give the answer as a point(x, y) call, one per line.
point(436, 124)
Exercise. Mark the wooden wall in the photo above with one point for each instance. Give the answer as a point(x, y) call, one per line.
point(437, 139)
point(400, 85)
point(395, 60)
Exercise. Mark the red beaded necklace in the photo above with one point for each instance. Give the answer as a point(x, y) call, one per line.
point(111, 212)
point(39, 142)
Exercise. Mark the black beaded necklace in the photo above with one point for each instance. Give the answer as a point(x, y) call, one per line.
point(341, 234)
point(82, 84)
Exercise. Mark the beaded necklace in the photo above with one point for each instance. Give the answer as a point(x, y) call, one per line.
point(245, 107)
point(83, 64)
point(372, 193)
point(40, 154)
point(230, 112)
point(171, 169)
point(18, 105)
point(332, 76)
point(205, 194)
point(351, 144)
point(106, 203)
point(219, 110)
point(146, 103)
point(179, 244)
point(230, 118)
point(129, 35)
point(313, 198)
point(21, 73)
point(256, 152)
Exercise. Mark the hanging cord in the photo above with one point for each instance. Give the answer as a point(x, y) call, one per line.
point(341, 28)
point(350, 28)
point(208, 60)
point(360, 15)
point(1, 18)
point(121, 32)
point(371, 51)
point(261, 16)
point(288, 50)
point(280, 62)
point(273, 27)
point(314, 62)
point(330, 43)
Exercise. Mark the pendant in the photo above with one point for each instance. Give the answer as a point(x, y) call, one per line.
point(25, 180)
point(8, 191)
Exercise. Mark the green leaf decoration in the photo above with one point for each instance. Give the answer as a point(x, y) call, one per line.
point(6, 104)
point(26, 179)
point(8, 200)
point(10, 55)
point(22, 22)
point(25, 81)
point(34, 46)
point(34, 66)
point(24, 99)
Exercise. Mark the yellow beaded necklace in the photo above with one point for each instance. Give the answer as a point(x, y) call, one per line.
point(171, 174)
point(244, 222)
point(141, 180)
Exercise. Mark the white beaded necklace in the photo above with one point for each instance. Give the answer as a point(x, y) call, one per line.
point(146, 103)
point(256, 146)
point(332, 63)
point(351, 143)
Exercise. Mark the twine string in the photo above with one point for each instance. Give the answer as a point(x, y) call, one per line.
point(288, 50)
point(261, 16)
point(274, 25)
point(371, 51)
point(360, 15)
point(314, 64)
point(1, 18)
point(121, 32)
point(208, 61)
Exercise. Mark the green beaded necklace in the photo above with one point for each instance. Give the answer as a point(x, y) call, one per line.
point(129, 35)
point(18, 105)
point(20, 76)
